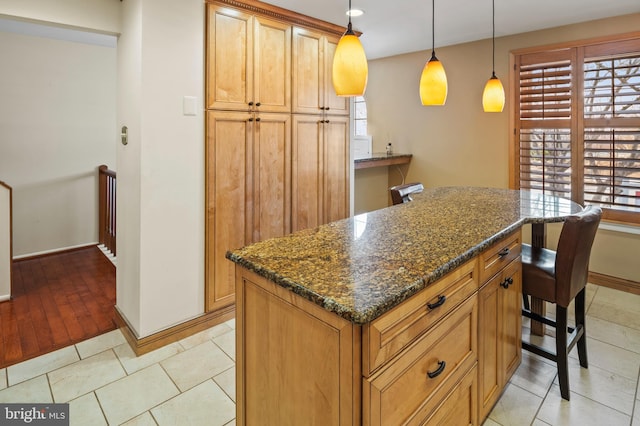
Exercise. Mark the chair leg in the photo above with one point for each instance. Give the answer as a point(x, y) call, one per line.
point(580, 320)
point(561, 351)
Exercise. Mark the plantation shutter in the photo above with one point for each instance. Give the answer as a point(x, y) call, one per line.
point(577, 124)
point(612, 128)
point(544, 126)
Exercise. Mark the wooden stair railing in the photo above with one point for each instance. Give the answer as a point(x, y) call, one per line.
point(6, 240)
point(107, 208)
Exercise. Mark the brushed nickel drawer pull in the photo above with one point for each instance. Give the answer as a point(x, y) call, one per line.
point(441, 299)
point(439, 370)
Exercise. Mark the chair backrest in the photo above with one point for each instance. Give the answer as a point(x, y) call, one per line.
point(573, 252)
point(402, 193)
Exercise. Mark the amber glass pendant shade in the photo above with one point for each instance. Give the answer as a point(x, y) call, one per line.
point(433, 83)
point(350, 70)
point(493, 95)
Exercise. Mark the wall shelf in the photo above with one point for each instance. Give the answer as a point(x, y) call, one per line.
point(381, 159)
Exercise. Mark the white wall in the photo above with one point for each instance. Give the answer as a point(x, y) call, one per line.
point(57, 120)
point(161, 60)
point(128, 160)
point(5, 242)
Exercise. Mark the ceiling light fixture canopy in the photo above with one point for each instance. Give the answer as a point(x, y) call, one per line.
point(493, 94)
point(350, 70)
point(433, 81)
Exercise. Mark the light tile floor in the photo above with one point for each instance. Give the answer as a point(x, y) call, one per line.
point(193, 381)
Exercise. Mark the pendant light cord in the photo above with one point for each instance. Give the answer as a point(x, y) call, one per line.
point(433, 28)
point(493, 37)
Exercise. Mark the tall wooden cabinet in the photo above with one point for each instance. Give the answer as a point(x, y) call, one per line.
point(278, 153)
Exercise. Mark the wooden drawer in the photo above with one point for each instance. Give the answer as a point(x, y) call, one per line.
point(405, 388)
point(395, 330)
point(496, 257)
point(457, 408)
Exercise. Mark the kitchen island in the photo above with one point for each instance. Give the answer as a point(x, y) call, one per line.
point(407, 314)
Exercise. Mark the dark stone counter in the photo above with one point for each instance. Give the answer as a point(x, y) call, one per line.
point(363, 266)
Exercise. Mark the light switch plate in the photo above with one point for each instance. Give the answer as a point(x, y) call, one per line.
point(189, 105)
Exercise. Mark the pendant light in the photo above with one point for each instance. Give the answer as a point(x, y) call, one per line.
point(350, 70)
point(493, 95)
point(433, 81)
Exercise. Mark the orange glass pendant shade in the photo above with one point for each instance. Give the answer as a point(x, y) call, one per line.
point(493, 95)
point(433, 83)
point(350, 70)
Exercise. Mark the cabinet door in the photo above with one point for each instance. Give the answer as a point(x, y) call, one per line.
point(297, 364)
point(229, 59)
point(489, 377)
point(499, 319)
point(228, 149)
point(337, 105)
point(307, 71)
point(307, 182)
point(272, 66)
point(271, 167)
point(336, 168)
point(511, 320)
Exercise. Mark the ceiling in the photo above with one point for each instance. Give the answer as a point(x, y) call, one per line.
point(392, 27)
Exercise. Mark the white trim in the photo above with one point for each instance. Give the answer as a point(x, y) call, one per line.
point(57, 32)
point(5, 298)
point(619, 227)
point(39, 253)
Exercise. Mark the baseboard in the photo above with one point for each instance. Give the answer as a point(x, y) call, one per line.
point(614, 282)
point(5, 297)
point(36, 255)
point(147, 344)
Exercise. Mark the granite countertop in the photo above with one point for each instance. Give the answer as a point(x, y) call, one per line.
point(380, 159)
point(363, 266)
point(379, 156)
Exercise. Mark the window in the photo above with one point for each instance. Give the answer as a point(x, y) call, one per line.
point(361, 142)
point(577, 119)
point(359, 116)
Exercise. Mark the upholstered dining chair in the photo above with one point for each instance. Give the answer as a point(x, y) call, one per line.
point(402, 193)
point(559, 277)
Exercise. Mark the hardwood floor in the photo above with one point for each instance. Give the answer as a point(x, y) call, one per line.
point(58, 300)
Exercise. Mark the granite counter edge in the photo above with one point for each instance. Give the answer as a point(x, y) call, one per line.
point(366, 316)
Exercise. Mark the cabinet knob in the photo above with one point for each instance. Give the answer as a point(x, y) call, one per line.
point(258, 119)
point(258, 104)
point(251, 103)
point(439, 370)
point(327, 108)
point(326, 121)
point(251, 119)
point(507, 282)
